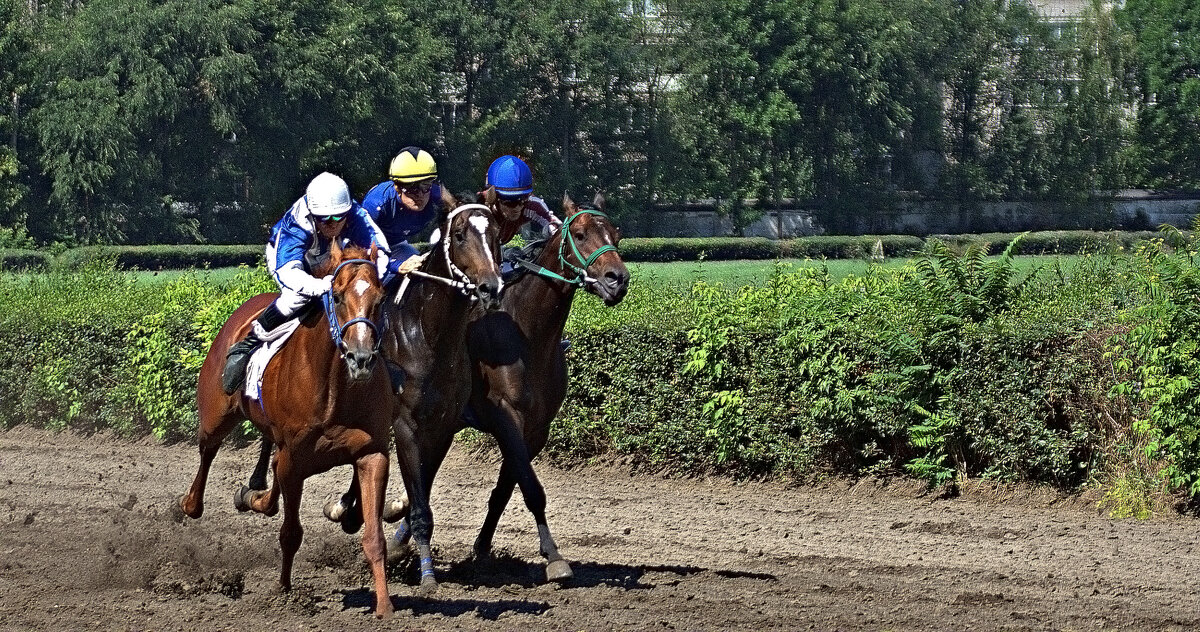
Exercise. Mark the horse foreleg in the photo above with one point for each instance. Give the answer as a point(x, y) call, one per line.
point(290, 533)
point(371, 472)
point(420, 516)
point(517, 462)
point(258, 478)
point(264, 502)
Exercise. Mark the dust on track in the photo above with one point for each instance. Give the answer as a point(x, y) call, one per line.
point(89, 541)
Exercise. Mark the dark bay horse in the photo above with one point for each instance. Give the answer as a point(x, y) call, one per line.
point(519, 375)
point(519, 367)
point(320, 407)
point(426, 336)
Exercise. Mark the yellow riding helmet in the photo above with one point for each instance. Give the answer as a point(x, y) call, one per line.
point(412, 164)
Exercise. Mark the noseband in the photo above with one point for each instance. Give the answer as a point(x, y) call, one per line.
point(337, 331)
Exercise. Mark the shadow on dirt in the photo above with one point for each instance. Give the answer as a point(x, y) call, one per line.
point(482, 608)
point(505, 570)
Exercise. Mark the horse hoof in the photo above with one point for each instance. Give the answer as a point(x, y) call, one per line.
point(241, 500)
point(384, 614)
point(352, 522)
point(395, 550)
point(428, 587)
point(334, 509)
point(179, 510)
point(393, 511)
point(558, 571)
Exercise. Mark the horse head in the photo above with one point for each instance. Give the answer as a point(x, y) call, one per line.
point(353, 307)
point(588, 246)
point(468, 241)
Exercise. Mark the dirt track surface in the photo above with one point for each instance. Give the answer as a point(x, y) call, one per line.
point(88, 541)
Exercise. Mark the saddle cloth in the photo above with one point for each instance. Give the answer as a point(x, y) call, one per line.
point(273, 342)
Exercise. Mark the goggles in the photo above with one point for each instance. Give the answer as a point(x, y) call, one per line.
point(512, 202)
point(331, 219)
point(414, 187)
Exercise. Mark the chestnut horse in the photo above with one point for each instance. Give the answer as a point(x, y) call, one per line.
point(519, 375)
point(319, 407)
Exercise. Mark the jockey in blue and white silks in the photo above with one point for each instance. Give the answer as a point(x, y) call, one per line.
point(407, 202)
point(299, 244)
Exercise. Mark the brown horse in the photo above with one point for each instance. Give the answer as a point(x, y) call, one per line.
point(319, 407)
point(519, 375)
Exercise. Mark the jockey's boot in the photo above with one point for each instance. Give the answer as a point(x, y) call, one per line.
point(234, 376)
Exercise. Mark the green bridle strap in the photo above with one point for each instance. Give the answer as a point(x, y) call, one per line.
point(539, 270)
point(580, 271)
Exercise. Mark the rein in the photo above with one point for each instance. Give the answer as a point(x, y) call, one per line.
point(337, 331)
point(581, 276)
point(459, 279)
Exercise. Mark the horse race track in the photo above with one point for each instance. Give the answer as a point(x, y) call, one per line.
point(88, 542)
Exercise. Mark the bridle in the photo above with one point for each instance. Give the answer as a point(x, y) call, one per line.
point(338, 331)
point(568, 240)
point(458, 279)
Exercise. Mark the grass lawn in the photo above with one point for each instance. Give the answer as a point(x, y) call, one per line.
point(739, 273)
point(684, 273)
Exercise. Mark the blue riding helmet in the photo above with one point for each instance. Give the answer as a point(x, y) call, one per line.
point(511, 176)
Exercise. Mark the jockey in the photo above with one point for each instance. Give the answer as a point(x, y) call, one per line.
point(407, 202)
point(516, 207)
point(299, 244)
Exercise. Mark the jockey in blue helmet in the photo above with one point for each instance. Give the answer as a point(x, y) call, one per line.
point(300, 243)
point(509, 192)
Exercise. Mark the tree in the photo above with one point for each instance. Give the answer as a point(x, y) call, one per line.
point(1167, 91)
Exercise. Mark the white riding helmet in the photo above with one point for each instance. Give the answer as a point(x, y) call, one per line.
point(327, 195)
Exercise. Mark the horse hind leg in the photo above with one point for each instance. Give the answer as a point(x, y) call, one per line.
point(497, 502)
point(258, 479)
point(346, 509)
point(211, 433)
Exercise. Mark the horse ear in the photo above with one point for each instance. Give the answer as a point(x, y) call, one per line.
point(489, 197)
point(568, 204)
point(374, 251)
point(598, 201)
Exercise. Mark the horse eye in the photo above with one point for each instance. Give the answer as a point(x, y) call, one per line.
point(460, 236)
point(337, 299)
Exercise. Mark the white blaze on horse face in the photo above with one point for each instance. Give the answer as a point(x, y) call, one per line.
point(361, 286)
point(481, 225)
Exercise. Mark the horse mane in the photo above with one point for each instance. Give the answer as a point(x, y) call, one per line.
point(350, 251)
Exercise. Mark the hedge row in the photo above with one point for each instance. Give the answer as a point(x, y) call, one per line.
point(135, 257)
point(20, 260)
point(650, 249)
point(933, 370)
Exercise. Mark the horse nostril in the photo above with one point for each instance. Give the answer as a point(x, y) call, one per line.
point(615, 277)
